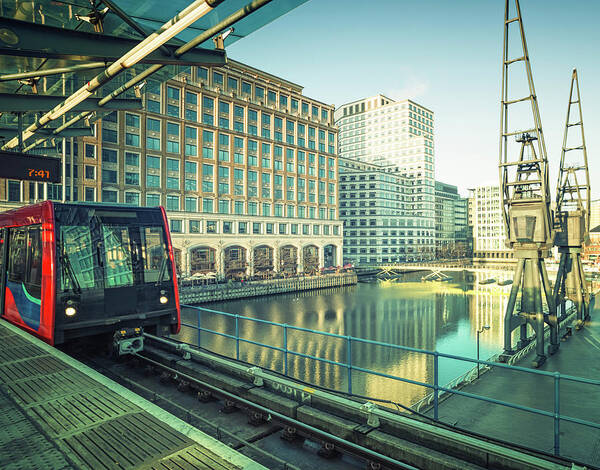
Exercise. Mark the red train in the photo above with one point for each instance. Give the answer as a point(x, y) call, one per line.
point(80, 269)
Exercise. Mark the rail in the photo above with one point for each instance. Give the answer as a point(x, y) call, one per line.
point(350, 366)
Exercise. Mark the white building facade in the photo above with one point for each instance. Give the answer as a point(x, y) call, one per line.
point(485, 215)
point(378, 226)
point(397, 136)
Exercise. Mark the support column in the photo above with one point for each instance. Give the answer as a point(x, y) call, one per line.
point(321, 256)
point(220, 255)
point(276, 256)
point(248, 259)
point(251, 261)
point(300, 259)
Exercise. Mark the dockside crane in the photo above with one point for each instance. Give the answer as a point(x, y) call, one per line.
point(572, 217)
point(525, 199)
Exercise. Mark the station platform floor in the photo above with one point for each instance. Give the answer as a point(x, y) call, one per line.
point(578, 356)
point(56, 413)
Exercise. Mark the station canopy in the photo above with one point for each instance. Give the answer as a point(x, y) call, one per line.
point(49, 35)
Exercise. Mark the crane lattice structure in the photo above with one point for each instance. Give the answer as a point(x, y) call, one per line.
point(572, 220)
point(526, 206)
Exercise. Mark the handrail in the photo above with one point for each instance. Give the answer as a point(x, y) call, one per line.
point(437, 390)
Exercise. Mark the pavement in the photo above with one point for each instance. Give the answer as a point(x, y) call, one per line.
point(578, 356)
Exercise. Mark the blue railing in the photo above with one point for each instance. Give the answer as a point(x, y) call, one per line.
point(435, 387)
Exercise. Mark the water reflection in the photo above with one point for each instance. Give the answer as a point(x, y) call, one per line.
point(442, 316)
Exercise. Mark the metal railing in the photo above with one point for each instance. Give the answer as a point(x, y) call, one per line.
point(435, 387)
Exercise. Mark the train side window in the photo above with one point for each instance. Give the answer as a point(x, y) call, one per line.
point(154, 250)
point(25, 259)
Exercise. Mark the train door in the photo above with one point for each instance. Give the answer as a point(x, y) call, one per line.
point(3, 255)
point(22, 277)
point(120, 260)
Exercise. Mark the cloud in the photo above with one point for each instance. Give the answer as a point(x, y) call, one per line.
point(412, 87)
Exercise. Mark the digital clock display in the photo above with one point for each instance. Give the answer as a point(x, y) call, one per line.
point(22, 166)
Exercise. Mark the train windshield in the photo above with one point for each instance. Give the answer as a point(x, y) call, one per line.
point(111, 249)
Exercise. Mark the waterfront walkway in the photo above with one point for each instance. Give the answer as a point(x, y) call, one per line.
point(578, 356)
point(190, 293)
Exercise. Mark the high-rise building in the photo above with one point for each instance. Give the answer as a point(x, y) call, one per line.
point(245, 165)
point(450, 221)
point(378, 226)
point(489, 234)
point(397, 136)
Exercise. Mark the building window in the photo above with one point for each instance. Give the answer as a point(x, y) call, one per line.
point(211, 226)
point(14, 191)
point(191, 204)
point(256, 228)
point(109, 195)
point(109, 135)
point(207, 205)
point(194, 226)
point(223, 206)
point(238, 207)
point(90, 172)
point(132, 198)
point(90, 151)
point(152, 200)
point(90, 194)
point(176, 226)
point(109, 176)
point(172, 203)
point(173, 93)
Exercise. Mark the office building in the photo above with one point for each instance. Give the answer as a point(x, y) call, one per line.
point(245, 165)
point(378, 224)
point(396, 136)
point(489, 234)
point(450, 222)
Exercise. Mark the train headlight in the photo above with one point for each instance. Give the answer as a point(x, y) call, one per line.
point(70, 311)
point(163, 299)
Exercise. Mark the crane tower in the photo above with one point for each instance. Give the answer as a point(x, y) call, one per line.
point(525, 194)
point(572, 220)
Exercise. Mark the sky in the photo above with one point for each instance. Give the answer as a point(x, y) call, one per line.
point(447, 56)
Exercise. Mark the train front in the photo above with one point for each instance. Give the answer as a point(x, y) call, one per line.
point(114, 274)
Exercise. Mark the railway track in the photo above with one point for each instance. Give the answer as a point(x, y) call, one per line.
point(258, 432)
point(287, 425)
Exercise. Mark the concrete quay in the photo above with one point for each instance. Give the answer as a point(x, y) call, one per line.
point(202, 294)
point(577, 356)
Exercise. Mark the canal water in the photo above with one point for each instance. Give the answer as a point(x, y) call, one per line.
point(436, 316)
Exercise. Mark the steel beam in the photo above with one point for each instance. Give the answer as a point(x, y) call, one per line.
point(23, 103)
point(166, 32)
point(10, 132)
point(251, 7)
point(53, 71)
point(35, 40)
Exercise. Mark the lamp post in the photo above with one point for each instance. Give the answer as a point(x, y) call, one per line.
point(483, 328)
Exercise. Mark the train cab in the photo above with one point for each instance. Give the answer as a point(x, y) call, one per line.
point(76, 270)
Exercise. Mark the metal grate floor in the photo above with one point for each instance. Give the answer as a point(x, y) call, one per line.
point(55, 417)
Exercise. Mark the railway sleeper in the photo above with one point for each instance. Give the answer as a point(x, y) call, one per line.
point(256, 418)
point(328, 451)
point(229, 407)
point(290, 434)
point(204, 396)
